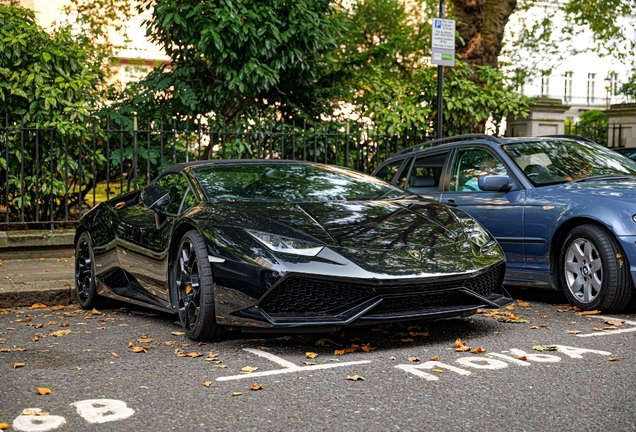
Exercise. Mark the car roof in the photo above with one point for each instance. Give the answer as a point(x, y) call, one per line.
point(489, 140)
point(179, 167)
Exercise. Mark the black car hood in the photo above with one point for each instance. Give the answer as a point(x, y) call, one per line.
point(374, 225)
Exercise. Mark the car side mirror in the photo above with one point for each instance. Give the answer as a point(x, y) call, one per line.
point(156, 198)
point(494, 183)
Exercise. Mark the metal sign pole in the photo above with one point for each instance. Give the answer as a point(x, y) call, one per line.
point(440, 86)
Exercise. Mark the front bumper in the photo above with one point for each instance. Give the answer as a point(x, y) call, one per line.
point(308, 301)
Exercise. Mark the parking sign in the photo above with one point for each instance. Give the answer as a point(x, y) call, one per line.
point(443, 42)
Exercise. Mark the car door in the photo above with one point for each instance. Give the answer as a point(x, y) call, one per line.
point(502, 212)
point(143, 246)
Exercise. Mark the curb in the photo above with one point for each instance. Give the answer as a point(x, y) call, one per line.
point(36, 238)
point(51, 293)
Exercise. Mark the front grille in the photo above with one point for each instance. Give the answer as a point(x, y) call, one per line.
point(487, 282)
point(301, 296)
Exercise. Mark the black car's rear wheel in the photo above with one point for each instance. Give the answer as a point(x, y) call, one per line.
point(85, 287)
point(593, 271)
point(194, 289)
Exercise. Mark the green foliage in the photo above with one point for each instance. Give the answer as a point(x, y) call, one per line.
point(48, 81)
point(225, 55)
point(596, 117)
point(629, 88)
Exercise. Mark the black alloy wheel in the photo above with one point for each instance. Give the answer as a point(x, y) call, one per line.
point(85, 287)
point(195, 289)
point(594, 272)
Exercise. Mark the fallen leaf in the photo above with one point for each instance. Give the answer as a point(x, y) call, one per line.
point(405, 340)
point(461, 346)
point(545, 348)
point(19, 349)
point(534, 327)
point(478, 350)
point(178, 333)
point(3, 425)
point(592, 312)
point(34, 412)
point(5, 349)
point(123, 325)
point(207, 383)
point(255, 387)
point(573, 331)
point(191, 354)
point(44, 391)
point(130, 344)
point(60, 333)
point(437, 370)
point(222, 366)
point(614, 322)
point(139, 349)
point(24, 320)
point(339, 352)
point(78, 368)
point(418, 333)
point(18, 365)
point(619, 256)
point(236, 393)
point(311, 355)
point(248, 369)
point(66, 324)
point(613, 359)
point(392, 358)
point(309, 363)
point(510, 308)
point(543, 325)
point(262, 348)
point(414, 359)
point(523, 304)
point(95, 312)
point(524, 358)
point(170, 343)
point(355, 378)
point(352, 348)
point(38, 326)
point(436, 358)
point(286, 338)
point(144, 340)
point(367, 347)
point(115, 354)
point(53, 323)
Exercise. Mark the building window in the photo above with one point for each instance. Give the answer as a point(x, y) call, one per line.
point(567, 90)
point(545, 84)
point(591, 78)
point(614, 84)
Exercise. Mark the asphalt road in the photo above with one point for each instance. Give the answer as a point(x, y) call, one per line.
point(510, 386)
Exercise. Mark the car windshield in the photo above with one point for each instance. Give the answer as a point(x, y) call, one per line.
point(290, 182)
point(558, 161)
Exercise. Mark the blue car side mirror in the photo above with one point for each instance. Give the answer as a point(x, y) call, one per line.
point(494, 183)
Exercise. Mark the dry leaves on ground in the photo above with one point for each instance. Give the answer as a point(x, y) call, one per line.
point(521, 357)
point(367, 347)
point(236, 393)
point(613, 359)
point(4, 425)
point(414, 359)
point(355, 378)
point(255, 387)
point(423, 333)
point(545, 348)
point(178, 333)
point(614, 322)
point(436, 358)
point(523, 304)
point(461, 346)
point(60, 333)
point(18, 365)
point(478, 350)
point(44, 390)
point(207, 383)
point(573, 331)
point(311, 355)
point(191, 354)
point(248, 369)
point(580, 312)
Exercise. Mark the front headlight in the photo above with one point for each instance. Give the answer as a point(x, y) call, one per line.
point(284, 244)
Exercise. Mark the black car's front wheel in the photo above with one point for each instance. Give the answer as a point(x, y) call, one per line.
point(85, 287)
point(194, 288)
point(594, 273)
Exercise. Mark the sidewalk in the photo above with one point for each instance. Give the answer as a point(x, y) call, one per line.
point(36, 267)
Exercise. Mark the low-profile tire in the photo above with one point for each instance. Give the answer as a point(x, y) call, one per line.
point(85, 288)
point(593, 271)
point(194, 289)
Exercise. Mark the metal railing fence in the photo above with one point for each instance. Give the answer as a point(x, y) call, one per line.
point(50, 177)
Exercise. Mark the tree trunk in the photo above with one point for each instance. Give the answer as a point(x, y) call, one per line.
point(481, 23)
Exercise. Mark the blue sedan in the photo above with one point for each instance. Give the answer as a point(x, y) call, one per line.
point(563, 210)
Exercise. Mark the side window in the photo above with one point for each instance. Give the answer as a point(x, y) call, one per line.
point(176, 185)
point(389, 171)
point(190, 200)
point(469, 164)
point(426, 173)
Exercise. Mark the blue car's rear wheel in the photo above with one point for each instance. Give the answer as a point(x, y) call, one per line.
point(593, 270)
point(194, 288)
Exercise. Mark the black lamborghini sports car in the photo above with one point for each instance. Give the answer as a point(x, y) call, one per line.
point(258, 245)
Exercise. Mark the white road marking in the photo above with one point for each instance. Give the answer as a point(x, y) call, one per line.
point(35, 423)
point(415, 369)
point(102, 410)
point(576, 352)
point(482, 363)
point(598, 333)
point(510, 359)
point(288, 366)
point(541, 358)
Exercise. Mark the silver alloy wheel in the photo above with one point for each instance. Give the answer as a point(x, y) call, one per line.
point(583, 270)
